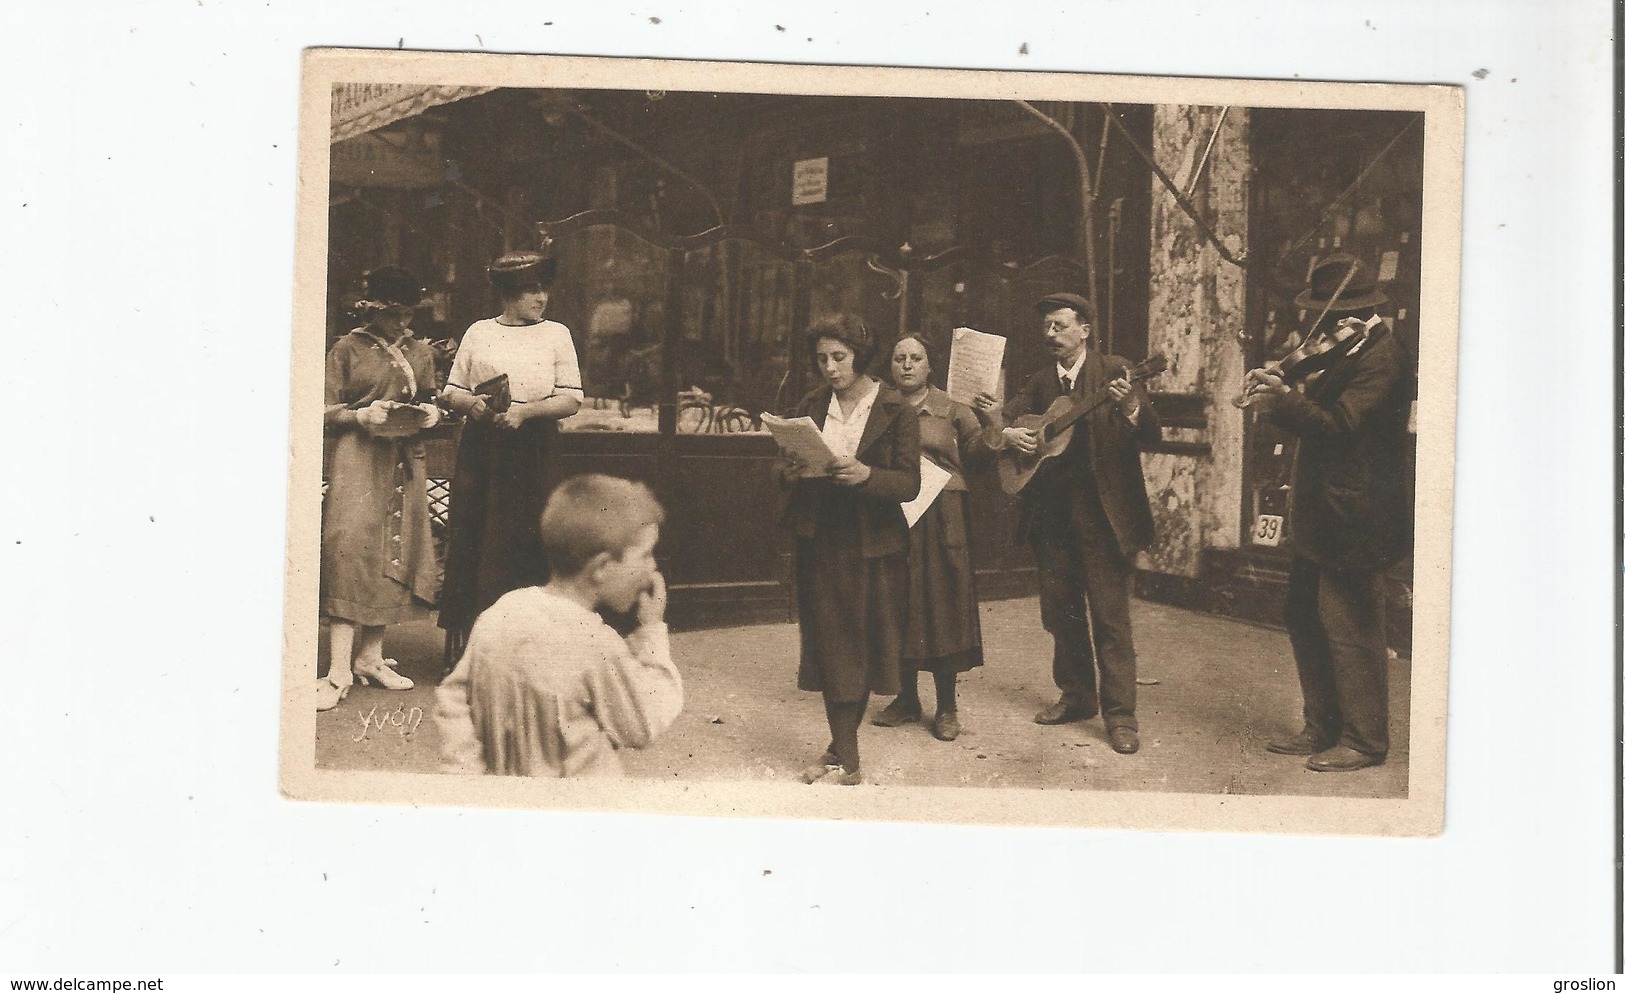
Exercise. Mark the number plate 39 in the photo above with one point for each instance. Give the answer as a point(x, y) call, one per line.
point(1267, 530)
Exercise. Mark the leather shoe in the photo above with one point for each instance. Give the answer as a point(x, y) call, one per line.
point(1341, 758)
point(1302, 743)
point(946, 727)
point(330, 694)
point(818, 770)
point(1125, 740)
point(896, 714)
point(1062, 711)
point(839, 776)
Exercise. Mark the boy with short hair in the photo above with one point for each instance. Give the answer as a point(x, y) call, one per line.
point(545, 687)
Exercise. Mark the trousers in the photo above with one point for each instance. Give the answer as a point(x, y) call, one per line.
point(1083, 590)
point(1339, 641)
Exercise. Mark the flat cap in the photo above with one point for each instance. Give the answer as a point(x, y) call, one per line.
point(1055, 301)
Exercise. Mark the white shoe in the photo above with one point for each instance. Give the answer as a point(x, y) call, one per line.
point(329, 694)
point(380, 674)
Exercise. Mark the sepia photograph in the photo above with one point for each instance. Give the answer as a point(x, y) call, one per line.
point(506, 489)
point(892, 444)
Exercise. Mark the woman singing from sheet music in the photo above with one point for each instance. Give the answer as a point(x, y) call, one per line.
point(851, 539)
point(941, 631)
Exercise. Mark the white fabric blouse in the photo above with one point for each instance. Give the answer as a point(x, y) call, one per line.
point(539, 360)
point(843, 434)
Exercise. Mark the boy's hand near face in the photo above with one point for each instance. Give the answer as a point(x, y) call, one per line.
point(652, 602)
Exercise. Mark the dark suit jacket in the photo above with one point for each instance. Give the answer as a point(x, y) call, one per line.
point(891, 449)
point(1110, 449)
point(1351, 503)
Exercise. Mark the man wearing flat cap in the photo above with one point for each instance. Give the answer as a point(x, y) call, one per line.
point(1349, 517)
point(1086, 515)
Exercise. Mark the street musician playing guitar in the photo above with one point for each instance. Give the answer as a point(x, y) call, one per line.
point(1085, 513)
point(1350, 512)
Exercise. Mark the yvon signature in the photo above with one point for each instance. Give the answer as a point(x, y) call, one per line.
point(400, 719)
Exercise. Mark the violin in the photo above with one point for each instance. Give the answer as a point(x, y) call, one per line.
point(1314, 355)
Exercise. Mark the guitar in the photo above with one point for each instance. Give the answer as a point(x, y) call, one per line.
point(1054, 428)
point(1314, 355)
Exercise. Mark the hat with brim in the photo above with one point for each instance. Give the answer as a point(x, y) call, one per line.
point(523, 270)
point(391, 286)
point(1058, 301)
point(1359, 293)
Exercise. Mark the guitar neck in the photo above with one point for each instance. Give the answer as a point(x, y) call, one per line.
point(1077, 413)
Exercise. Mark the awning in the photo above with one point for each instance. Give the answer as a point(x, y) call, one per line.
point(362, 107)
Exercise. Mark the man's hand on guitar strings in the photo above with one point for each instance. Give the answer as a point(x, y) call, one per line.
point(1021, 439)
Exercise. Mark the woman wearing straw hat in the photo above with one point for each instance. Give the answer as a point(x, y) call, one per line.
point(515, 377)
point(378, 564)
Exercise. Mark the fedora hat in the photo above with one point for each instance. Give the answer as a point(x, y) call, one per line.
point(1360, 292)
point(519, 270)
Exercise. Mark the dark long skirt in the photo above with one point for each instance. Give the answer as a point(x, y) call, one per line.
point(493, 544)
point(851, 609)
point(943, 632)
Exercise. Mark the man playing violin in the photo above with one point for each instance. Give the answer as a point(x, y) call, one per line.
point(1349, 516)
point(1086, 516)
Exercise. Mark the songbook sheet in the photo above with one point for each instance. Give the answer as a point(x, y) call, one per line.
point(800, 437)
point(974, 360)
point(933, 478)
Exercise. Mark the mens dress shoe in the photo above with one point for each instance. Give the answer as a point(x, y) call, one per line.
point(818, 770)
point(946, 727)
point(1302, 743)
point(1125, 740)
point(896, 714)
point(1062, 712)
point(838, 776)
point(1341, 758)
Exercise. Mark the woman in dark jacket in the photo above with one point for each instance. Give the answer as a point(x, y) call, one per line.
point(942, 633)
point(851, 540)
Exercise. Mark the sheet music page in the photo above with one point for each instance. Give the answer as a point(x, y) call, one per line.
point(799, 436)
point(933, 478)
point(974, 361)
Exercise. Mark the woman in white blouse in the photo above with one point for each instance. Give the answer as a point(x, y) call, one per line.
point(851, 539)
point(515, 377)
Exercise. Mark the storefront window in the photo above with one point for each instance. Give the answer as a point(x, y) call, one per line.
point(731, 352)
point(611, 292)
point(733, 360)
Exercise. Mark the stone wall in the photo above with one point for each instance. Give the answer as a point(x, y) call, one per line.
point(1198, 306)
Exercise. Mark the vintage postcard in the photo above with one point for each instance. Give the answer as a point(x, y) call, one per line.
point(1184, 566)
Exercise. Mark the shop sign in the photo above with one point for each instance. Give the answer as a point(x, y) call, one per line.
point(810, 182)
